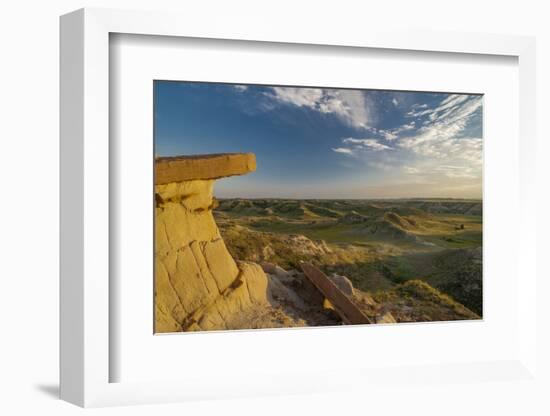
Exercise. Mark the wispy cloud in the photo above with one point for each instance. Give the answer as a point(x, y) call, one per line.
point(410, 170)
point(450, 103)
point(432, 144)
point(356, 147)
point(343, 150)
point(370, 144)
point(351, 107)
point(393, 134)
point(442, 137)
point(432, 147)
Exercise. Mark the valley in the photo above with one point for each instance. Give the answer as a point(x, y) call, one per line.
point(403, 252)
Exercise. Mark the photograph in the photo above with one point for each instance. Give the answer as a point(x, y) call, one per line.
point(282, 206)
point(251, 207)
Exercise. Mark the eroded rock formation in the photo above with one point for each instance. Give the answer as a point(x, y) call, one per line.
point(198, 284)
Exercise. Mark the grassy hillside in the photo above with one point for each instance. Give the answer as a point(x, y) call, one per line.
point(380, 245)
point(415, 301)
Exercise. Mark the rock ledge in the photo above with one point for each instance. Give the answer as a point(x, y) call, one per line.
point(196, 167)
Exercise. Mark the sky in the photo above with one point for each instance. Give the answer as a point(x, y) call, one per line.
point(327, 143)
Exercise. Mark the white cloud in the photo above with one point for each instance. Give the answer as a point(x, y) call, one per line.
point(343, 150)
point(417, 113)
point(388, 134)
point(438, 157)
point(349, 106)
point(395, 102)
point(406, 127)
point(351, 140)
point(367, 144)
point(450, 103)
point(410, 170)
point(300, 97)
point(240, 88)
point(437, 148)
point(394, 133)
point(357, 147)
point(440, 137)
point(431, 148)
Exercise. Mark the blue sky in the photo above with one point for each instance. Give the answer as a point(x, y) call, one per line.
point(327, 143)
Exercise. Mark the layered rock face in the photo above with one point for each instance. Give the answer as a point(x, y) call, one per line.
point(198, 285)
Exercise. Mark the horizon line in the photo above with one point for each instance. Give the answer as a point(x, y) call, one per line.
point(360, 199)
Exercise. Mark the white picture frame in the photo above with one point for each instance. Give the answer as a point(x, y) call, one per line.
point(85, 213)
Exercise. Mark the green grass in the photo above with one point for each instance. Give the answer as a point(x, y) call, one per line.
point(379, 245)
point(417, 301)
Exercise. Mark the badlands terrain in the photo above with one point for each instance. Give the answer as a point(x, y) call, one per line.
point(420, 258)
point(226, 264)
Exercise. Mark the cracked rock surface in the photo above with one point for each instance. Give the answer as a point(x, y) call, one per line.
point(198, 285)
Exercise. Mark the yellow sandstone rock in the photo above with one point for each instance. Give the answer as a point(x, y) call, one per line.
point(198, 285)
point(255, 280)
point(213, 166)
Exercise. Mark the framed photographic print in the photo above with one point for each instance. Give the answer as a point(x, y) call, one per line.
point(227, 198)
point(355, 201)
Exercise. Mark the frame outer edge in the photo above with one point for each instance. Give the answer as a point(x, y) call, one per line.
point(71, 203)
point(527, 295)
point(95, 183)
point(84, 151)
